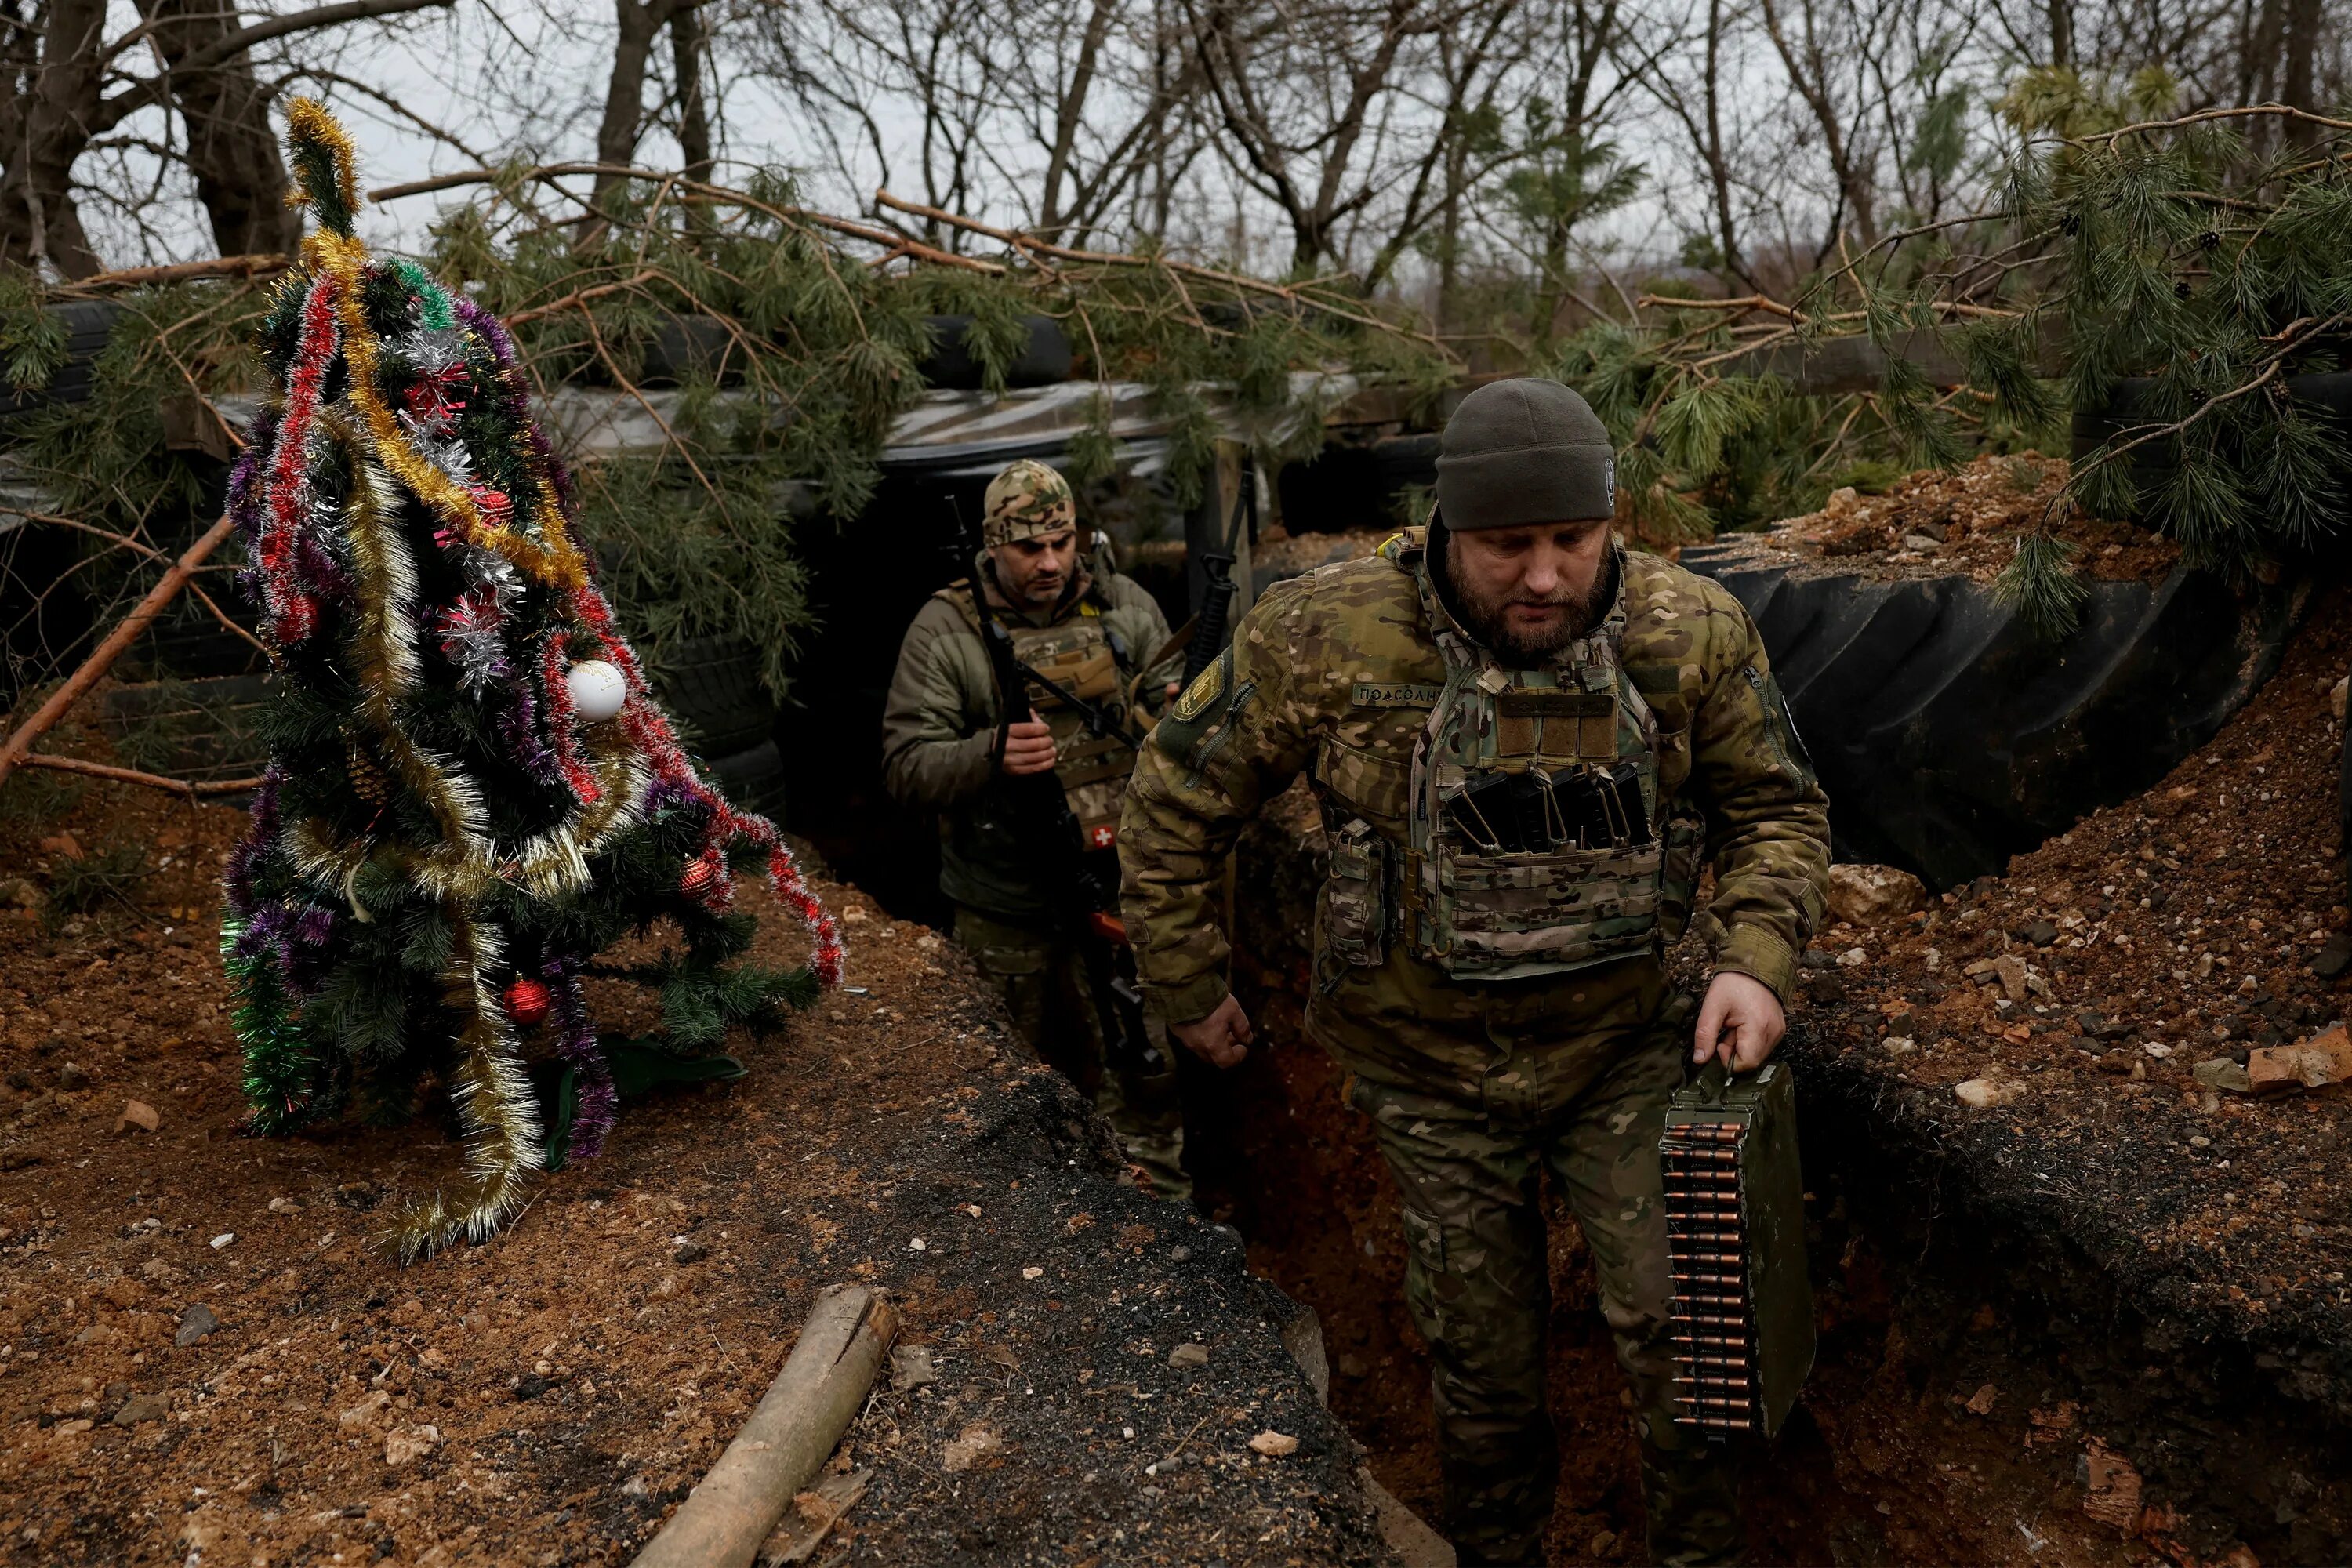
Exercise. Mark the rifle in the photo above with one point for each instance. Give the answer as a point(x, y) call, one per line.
point(1083, 882)
point(1217, 599)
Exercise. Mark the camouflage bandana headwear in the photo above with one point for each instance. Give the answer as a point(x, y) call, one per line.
point(1026, 499)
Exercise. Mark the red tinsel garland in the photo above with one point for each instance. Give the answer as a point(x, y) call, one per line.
point(293, 613)
point(562, 724)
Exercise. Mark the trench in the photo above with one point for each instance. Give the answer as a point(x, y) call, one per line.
point(1963, 1361)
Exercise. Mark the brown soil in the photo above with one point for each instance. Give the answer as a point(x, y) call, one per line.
point(2176, 929)
point(1965, 522)
point(1290, 555)
point(546, 1397)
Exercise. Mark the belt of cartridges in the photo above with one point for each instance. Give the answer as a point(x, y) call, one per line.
point(1713, 1316)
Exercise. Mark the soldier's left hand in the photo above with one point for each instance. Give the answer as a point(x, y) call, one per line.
point(1740, 1021)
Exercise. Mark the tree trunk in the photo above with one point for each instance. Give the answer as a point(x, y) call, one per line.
point(641, 21)
point(2061, 33)
point(38, 221)
point(1070, 113)
point(2298, 88)
point(232, 148)
point(689, 47)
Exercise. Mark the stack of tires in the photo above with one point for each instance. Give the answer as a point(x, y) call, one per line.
point(710, 686)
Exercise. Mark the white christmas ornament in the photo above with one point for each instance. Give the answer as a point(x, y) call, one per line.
point(597, 690)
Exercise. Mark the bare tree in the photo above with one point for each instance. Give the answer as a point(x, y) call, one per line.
point(70, 84)
point(1300, 90)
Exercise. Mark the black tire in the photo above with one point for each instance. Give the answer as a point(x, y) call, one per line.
point(1045, 359)
point(711, 686)
point(87, 323)
point(199, 729)
point(1950, 737)
point(754, 779)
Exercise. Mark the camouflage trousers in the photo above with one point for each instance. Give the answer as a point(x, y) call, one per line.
point(1479, 1284)
point(1042, 979)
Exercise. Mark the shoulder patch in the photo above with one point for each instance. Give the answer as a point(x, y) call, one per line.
point(1206, 686)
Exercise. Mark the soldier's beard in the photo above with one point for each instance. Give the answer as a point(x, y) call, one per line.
point(1485, 617)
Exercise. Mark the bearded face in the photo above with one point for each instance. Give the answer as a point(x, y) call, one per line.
point(1526, 593)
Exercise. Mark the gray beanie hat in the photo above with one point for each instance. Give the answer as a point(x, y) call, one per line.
point(1524, 452)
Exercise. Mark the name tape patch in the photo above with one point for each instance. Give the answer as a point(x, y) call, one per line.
point(1394, 694)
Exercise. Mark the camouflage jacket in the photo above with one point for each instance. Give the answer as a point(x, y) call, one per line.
point(1322, 679)
point(940, 729)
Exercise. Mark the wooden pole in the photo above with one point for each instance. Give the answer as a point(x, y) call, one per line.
point(102, 659)
point(723, 1522)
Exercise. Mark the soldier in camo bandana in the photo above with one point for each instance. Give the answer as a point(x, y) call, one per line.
point(1093, 632)
point(1493, 978)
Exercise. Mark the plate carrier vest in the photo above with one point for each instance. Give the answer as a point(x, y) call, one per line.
point(1480, 913)
point(1079, 656)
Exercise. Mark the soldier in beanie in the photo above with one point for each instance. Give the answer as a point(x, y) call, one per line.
point(1527, 741)
point(1090, 631)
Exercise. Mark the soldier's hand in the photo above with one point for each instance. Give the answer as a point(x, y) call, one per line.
point(1028, 749)
point(1221, 1038)
point(1740, 1021)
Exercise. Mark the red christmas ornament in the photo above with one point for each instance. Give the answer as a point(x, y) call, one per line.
point(696, 881)
point(526, 1001)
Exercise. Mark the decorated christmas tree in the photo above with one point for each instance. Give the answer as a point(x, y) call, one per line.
point(471, 795)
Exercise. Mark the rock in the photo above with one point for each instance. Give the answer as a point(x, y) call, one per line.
point(62, 843)
point(2335, 958)
point(2335, 698)
point(530, 1385)
point(1273, 1445)
point(284, 1205)
point(364, 1413)
point(1984, 1093)
point(1841, 502)
point(2012, 971)
point(1603, 1544)
point(137, 1113)
point(910, 1368)
point(1189, 1356)
point(2040, 933)
point(1852, 958)
point(142, 1407)
point(1866, 895)
point(689, 1252)
point(407, 1445)
point(2221, 1073)
point(1981, 1402)
point(975, 1443)
point(195, 1323)
point(223, 1239)
point(2111, 1487)
point(72, 1077)
point(17, 893)
point(2323, 1059)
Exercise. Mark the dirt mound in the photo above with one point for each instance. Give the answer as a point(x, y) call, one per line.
point(203, 1351)
point(2043, 1062)
point(1963, 523)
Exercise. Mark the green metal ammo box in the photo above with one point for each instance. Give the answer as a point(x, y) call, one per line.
point(1743, 1306)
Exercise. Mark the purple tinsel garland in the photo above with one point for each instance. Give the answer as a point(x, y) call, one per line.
point(575, 1041)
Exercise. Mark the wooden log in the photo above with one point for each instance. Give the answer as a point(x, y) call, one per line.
point(190, 788)
point(723, 1522)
